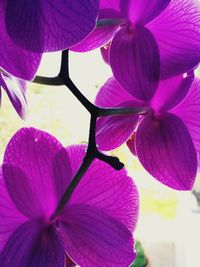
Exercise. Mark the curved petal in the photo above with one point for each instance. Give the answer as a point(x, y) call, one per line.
point(11, 218)
point(13, 59)
point(113, 131)
point(99, 37)
point(69, 262)
point(103, 34)
point(171, 91)
point(32, 160)
point(119, 6)
point(165, 149)
point(44, 26)
point(110, 4)
point(33, 244)
point(135, 62)
point(105, 52)
point(15, 90)
point(93, 238)
point(177, 34)
point(112, 94)
point(106, 189)
point(189, 111)
point(131, 144)
point(143, 12)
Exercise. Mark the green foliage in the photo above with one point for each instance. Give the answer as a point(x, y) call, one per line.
point(141, 260)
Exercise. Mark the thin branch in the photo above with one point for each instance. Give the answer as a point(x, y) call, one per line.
point(75, 181)
point(122, 111)
point(63, 78)
point(110, 22)
point(48, 80)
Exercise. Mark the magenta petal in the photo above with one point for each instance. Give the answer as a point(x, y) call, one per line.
point(106, 189)
point(165, 149)
point(33, 244)
point(171, 91)
point(69, 262)
point(189, 111)
point(98, 222)
point(62, 172)
point(134, 59)
point(93, 238)
point(113, 131)
point(177, 34)
point(99, 37)
point(110, 4)
point(21, 192)
point(105, 52)
point(13, 59)
point(110, 8)
point(76, 154)
point(15, 89)
point(131, 144)
point(142, 11)
point(50, 25)
point(111, 94)
point(30, 160)
point(11, 218)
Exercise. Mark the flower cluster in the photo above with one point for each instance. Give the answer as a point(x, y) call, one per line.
point(153, 55)
point(66, 206)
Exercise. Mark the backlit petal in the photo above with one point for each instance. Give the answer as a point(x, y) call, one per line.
point(131, 144)
point(189, 111)
point(33, 244)
point(113, 131)
point(142, 11)
point(11, 218)
point(99, 37)
point(177, 34)
point(112, 94)
point(104, 188)
point(50, 25)
point(165, 149)
point(93, 238)
point(36, 171)
point(13, 59)
point(171, 91)
point(15, 89)
point(105, 52)
point(134, 59)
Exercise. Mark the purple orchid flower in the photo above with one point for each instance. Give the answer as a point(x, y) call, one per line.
point(166, 139)
point(153, 40)
point(96, 226)
point(16, 91)
point(29, 28)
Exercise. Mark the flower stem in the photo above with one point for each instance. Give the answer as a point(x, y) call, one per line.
point(63, 78)
point(110, 22)
point(122, 111)
point(91, 154)
point(48, 80)
point(66, 196)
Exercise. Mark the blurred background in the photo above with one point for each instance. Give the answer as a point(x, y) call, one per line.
point(169, 221)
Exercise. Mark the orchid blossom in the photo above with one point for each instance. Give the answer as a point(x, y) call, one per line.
point(149, 41)
point(166, 137)
point(94, 229)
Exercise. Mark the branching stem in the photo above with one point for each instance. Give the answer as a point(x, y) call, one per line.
point(63, 78)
